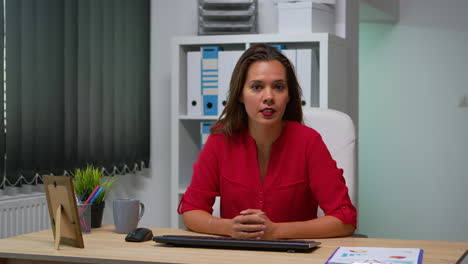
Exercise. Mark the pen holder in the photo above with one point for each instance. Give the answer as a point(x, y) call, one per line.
point(84, 213)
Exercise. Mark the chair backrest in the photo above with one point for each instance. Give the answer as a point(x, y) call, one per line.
point(338, 133)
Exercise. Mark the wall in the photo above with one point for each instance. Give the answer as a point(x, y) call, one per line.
point(381, 11)
point(413, 144)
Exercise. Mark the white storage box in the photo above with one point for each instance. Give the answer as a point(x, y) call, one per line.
point(305, 16)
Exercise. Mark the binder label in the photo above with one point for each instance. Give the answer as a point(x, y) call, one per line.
point(209, 79)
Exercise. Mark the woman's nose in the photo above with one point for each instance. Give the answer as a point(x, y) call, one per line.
point(268, 96)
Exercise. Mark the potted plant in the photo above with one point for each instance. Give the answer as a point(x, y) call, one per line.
point(84, 182)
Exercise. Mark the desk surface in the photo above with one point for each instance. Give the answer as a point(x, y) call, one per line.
point(102, 245)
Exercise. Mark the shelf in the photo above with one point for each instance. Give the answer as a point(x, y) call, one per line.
point(201, 118)
point(246, 39)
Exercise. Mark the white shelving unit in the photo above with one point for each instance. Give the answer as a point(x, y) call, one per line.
point(185, 129)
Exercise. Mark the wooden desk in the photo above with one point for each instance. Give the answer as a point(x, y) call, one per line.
point(104, 246)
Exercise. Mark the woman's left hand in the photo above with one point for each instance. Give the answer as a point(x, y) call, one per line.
point(270, 226)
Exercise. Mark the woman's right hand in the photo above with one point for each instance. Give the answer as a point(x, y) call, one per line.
point(248, 226)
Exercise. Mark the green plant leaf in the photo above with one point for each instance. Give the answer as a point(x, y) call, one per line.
point(86, 180)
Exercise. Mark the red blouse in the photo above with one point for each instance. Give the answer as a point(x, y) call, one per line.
point(301, 175)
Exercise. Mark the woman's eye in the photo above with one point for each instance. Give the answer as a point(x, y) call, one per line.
point(279, 87)
point(256, 87)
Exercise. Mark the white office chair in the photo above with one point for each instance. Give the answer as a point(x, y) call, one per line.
point(338, 133)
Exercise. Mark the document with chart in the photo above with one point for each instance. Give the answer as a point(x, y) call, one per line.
point(364, 255)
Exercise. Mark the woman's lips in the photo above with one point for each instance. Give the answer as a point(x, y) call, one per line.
point(267, 112)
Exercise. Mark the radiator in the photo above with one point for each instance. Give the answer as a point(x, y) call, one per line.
point(23, 214)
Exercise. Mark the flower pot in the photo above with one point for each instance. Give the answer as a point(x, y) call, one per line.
point(97, 211)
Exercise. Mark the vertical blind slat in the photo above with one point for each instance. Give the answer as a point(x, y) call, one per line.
point(13, 94)
point(70, 51)
point(2, 96)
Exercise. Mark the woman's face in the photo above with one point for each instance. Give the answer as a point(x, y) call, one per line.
point(265, 93)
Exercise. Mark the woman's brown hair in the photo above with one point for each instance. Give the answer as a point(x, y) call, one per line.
point(234, 117)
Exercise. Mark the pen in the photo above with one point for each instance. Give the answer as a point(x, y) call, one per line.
point(89, 198)
point(83, 222)
point(92, 194)
point(86, 190)
point(96, 194)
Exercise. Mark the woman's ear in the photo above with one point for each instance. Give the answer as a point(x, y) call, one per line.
point(241, 99)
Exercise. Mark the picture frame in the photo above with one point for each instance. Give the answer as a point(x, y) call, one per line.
point(63, 210)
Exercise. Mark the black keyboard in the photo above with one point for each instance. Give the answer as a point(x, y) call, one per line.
point(237, 243)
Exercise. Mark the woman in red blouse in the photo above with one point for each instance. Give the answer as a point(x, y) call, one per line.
point(271, 171)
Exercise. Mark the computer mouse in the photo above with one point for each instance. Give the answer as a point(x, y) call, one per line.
point(140, 234)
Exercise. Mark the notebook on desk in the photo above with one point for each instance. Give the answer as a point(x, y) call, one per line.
point(237, 243)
